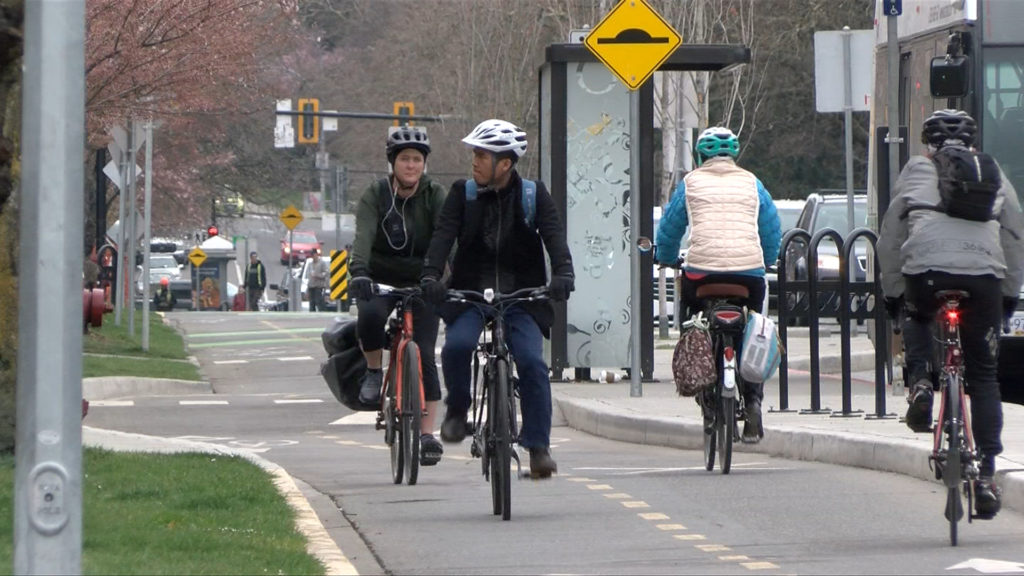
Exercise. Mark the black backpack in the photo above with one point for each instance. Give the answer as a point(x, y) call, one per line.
point(968, 183)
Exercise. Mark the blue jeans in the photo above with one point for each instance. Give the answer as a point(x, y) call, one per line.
point(525, 342)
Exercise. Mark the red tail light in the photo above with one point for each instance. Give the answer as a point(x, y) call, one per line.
point(952, 316)
point(728, 353)
point(728, 316)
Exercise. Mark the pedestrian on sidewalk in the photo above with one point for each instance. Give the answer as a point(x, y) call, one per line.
point(926, 245)
point(318, 273)
point(255, 281)
point(734, 232)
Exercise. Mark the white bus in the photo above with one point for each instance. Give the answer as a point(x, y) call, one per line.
point(966, 54)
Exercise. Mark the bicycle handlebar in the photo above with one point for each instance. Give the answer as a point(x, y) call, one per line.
point(388, 290)
point(492, 298)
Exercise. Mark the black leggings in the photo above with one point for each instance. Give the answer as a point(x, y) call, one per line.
point(373, 315)
point(981, 323)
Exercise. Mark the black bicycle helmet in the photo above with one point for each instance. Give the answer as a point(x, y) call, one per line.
point(944, 125)
point(402, 137)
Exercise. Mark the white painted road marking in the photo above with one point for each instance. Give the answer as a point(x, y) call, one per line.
point(230, 361)
point(357, 418)
point(294, 358)
point(111, 403)
point(300, 401)
point(989, 566)
point(202, 402)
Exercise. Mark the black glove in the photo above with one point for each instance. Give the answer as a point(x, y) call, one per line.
point(434, 291)
point(560, 287)
point(360, 288)
point(893, 307)
point(1009, 306)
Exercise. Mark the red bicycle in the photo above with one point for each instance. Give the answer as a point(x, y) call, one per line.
point(402, 400)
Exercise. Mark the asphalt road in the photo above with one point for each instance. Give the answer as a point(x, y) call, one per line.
point(613, 508)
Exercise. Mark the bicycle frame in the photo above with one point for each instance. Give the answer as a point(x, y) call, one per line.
point(400, 333)
point(948, 323)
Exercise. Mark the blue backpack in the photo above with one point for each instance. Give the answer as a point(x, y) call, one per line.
point(529, 198)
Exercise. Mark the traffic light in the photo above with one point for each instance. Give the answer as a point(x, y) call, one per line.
point(211, 231)
point(309, 121)
point(404, 109)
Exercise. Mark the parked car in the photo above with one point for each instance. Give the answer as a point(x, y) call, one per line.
point(303, 244)
point(789, 212)
point(160, 266)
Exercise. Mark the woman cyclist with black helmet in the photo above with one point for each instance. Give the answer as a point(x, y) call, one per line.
point(394, 223)
point(924, 248)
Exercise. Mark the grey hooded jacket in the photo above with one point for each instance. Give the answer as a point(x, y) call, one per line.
point(922, 240)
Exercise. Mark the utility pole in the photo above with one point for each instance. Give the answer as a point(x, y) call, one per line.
point(48, 454)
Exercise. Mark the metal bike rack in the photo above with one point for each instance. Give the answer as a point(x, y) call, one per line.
point(786, 307)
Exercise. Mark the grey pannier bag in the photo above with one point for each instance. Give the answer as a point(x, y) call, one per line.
point(693, 362)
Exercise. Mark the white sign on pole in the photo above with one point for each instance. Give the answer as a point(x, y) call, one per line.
point(829, 73)
point(329, 124)
point(284, 132)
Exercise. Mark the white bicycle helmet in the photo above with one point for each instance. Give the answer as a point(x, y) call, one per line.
point(497, 136)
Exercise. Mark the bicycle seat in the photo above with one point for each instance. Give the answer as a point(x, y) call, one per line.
point(722, 291)
point(952, 295)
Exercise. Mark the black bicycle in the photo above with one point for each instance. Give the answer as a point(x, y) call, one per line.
point(722, 404)
point(495, 427)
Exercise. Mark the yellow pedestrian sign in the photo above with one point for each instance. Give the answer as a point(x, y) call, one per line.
point(197, 257)
point(291, 217)
point(633, 40)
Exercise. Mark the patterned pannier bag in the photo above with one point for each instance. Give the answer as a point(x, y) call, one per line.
point(693, 362)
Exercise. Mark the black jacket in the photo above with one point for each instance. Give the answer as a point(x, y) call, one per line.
point(496, 247)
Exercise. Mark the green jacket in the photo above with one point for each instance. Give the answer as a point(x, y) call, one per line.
point(396, 263)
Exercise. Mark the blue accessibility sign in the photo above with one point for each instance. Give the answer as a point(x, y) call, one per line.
point(892, 7)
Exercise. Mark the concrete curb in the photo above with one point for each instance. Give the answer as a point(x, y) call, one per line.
point(832, 364)
point(873, 452)
point(110, 387)
point(318, 542)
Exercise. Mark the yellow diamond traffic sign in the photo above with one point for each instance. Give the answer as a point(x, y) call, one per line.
point(633, 40)
point(197, 256)
point(291, 217)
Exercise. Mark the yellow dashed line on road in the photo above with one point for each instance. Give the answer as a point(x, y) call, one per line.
point(635, 504)
point(618, 496)
point(690, 537)
point(671, 527)
point(758, 565)
point(653, 516)
point(348, 442)
point(580, 479)
point(599, 486)
point(713, 548)
point(735, 558)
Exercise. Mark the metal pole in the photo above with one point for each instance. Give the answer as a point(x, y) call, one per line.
point(848, 122)
point(48, 454)
point(129, 296)
point(337, 208)
point(119, 288)
point(148, 208)
point(635, 386)
point(294, 304)
point(892, 117)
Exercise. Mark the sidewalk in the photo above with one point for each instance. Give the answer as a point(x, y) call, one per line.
point(660, 417)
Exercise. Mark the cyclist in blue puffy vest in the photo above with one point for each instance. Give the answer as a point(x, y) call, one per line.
point(735, 232)
point(500, 246)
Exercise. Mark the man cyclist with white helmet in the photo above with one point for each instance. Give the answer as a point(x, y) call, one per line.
point(394, 222)
point(734, 233)
point(924, 248)
point(499, 248)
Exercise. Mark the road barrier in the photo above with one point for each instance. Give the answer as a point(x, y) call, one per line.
point(844, 299)
point(339, 279)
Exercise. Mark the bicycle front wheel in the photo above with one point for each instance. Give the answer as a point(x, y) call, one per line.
point(952, 473)
point(393, 430)
point(726, 430)
point(412, 411)
point(501, 430)
point(708, 408)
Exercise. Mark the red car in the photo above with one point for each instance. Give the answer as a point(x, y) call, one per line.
point(303, 244)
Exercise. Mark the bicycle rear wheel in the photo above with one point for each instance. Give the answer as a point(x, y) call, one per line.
point(393, 431)
point(708, 406)
point(726, 429)
point(952, 473)
point(412, 411)
point(501, 473)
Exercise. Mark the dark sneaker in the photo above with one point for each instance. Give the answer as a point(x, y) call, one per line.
point(453, 429)
point(752, 429)
point(986, 498)
point(369, 387)
point(542, 465)
point(430, 450)
point(919, 413)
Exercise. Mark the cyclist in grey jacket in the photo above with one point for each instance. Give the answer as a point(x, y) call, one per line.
point(922, 250)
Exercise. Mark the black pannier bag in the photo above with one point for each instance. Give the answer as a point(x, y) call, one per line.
point(344, 370)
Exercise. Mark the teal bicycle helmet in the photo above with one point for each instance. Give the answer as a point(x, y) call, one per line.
point(716, 141)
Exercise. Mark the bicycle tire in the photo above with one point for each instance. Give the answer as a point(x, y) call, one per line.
point(711, 439)
point(393, 432)
point(501, 476)
point(951, 474)
point(726, 432)
point(412, 410)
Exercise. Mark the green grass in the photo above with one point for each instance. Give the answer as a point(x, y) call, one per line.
point(164, 342)
point(120, 354)
point(175, 514)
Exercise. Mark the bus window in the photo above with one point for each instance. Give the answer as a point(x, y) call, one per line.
point(1003, 121)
